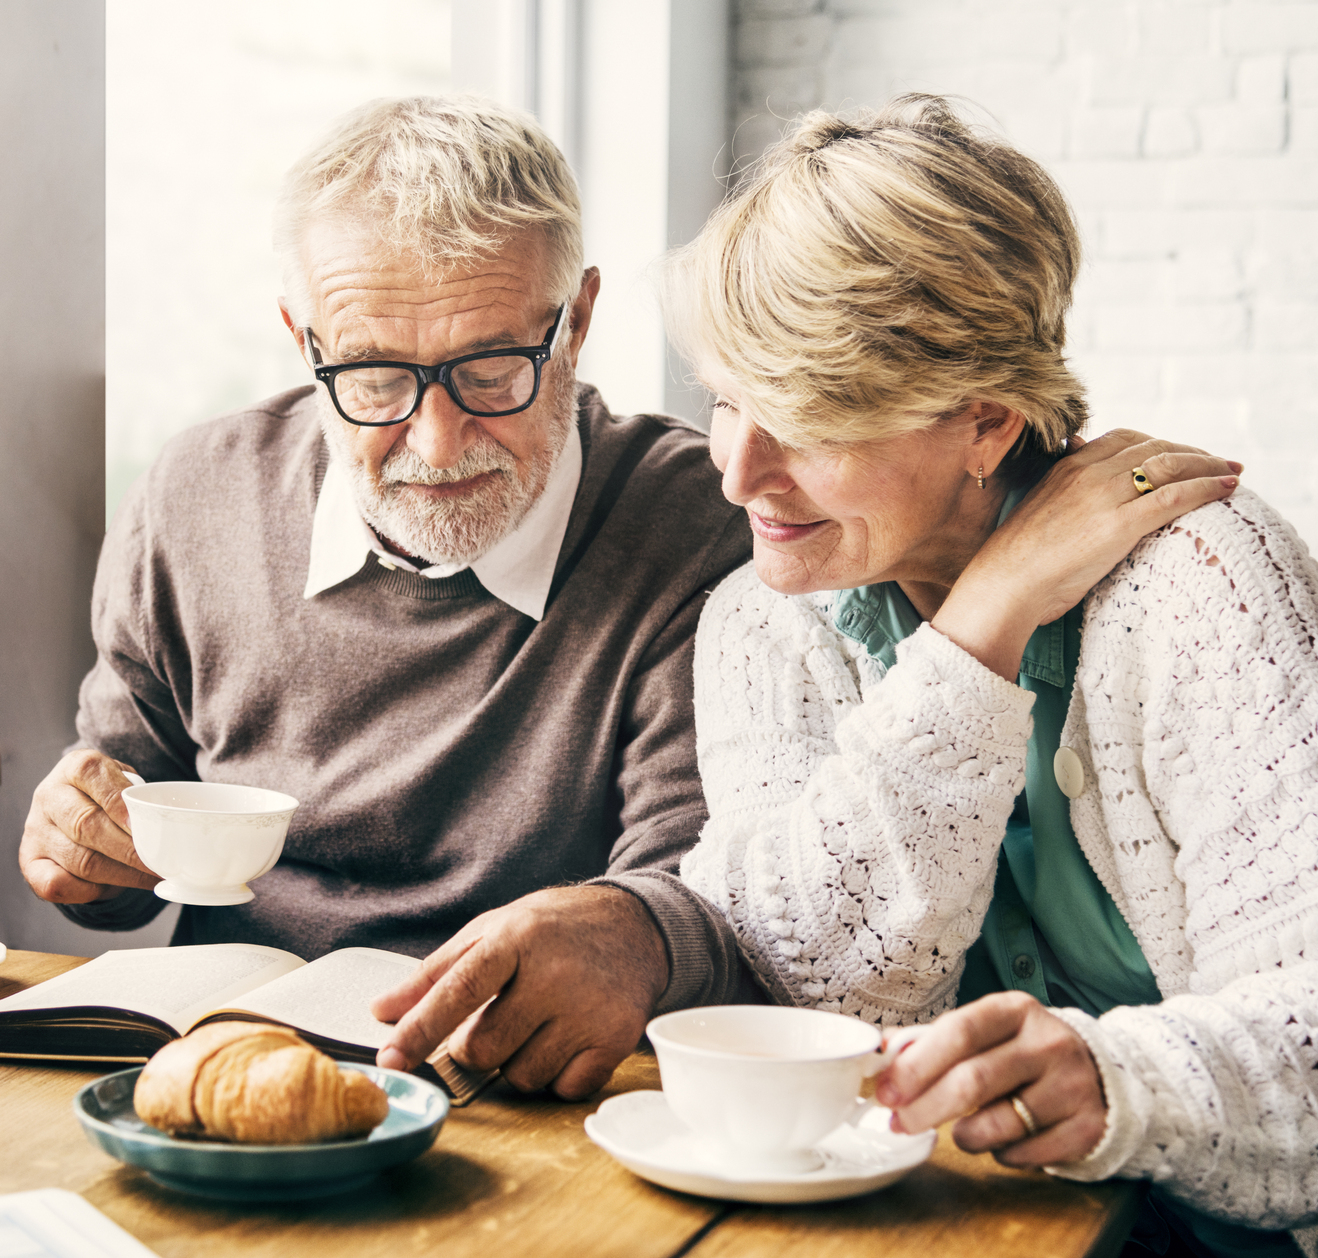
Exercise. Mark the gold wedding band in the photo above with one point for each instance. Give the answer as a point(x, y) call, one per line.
point(1143, 485)
point(1023, 1113)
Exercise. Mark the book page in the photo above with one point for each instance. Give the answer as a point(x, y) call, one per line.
point(332, 995)
point(176, 985)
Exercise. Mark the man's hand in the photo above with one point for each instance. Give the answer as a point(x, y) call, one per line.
point(968, 1064)
point(76, 844)
point(561, 984)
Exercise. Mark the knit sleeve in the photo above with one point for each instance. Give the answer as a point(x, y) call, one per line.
point(1199, 681)
point(1212, 1097)
point(854, 831)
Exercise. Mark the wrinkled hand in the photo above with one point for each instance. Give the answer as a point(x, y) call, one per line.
point(570, 974)
point(968, 1063)
point(1068, 533)
point(77, 846)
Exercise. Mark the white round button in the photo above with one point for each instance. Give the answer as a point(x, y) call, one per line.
point(1069, 772)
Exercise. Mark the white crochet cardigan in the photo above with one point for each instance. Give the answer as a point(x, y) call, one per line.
point(855, 821)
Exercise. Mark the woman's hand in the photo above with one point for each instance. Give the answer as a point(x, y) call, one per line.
point(1070, 531)
point(969, 1063)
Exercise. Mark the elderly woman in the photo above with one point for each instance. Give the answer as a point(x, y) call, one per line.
point(933, 773)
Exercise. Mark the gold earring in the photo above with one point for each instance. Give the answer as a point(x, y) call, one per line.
point(981, 476)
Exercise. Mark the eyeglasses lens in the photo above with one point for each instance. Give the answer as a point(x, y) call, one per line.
point(489, 385)
point(375, 395)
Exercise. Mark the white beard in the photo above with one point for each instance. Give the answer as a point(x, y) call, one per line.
point(454, 530)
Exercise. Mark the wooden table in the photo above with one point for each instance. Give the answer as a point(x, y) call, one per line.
point(512, 1175)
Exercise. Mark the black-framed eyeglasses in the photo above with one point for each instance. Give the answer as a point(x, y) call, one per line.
point(489, 383)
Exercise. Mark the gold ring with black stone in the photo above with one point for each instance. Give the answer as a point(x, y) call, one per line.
point(1143, 485)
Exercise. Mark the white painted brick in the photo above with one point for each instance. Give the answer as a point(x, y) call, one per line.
point(1188, 376)
point(783, 41)
point(1291, 231)
point(1286, 325)
point(951, 33)
point(1165, 328)
point(1110, 132)
point(1107, 280)
point(1113, 184)
point(782, 90)
point(1197, 79)
point(1242, 130)
point(1302, 136)
point(1207, 275)
point(1170, 132)
point(778, 8)
point(1102, 31)
point(1118, 380)
point(1173, 31)
point(753, 133)
point(1214, 424)
point(1281, 273)
point(1261, 80)
point(1251, 28)
point(1303, 78)
point(1242, 181)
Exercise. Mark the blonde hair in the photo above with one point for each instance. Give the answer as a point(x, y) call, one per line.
point(443, 179)
point(874, 274)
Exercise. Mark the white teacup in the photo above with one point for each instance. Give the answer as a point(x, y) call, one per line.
point(207, 840)
point(761, 1084)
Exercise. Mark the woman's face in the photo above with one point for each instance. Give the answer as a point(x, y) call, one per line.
point(905, 508)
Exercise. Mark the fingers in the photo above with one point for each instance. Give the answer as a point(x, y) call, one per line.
point(463, 988)
point(964, 1067)
point(394, 1003)
point(560, 1057)
point(972, 1083)
point(76, 844)
point(954, 1038)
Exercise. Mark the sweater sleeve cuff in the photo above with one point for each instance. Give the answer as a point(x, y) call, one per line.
point(704, 967)
point(1124, 1129)
point(126, 911)
point(954, 666)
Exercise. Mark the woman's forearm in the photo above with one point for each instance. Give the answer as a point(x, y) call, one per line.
point(854, 858)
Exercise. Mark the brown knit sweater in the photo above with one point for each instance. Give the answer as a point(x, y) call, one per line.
point(451, 754)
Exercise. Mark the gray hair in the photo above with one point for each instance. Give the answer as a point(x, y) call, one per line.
point(443, 179)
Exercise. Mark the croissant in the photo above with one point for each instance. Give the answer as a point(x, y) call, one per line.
point(254, 1083)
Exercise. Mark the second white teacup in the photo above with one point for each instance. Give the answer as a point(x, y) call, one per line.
point(761, 1084)
point(207, 840)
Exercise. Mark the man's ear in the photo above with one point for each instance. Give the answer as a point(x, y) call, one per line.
point(295, 330)
point(583, 306)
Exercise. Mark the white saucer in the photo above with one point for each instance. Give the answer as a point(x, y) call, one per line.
point(646, 1136)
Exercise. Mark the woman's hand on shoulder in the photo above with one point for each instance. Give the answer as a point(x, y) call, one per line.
point(970, 1063)
point(1068, 533)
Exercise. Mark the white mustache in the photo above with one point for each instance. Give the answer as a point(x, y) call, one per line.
point(405, 466)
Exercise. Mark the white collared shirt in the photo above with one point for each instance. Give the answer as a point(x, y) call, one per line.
point(518, 570)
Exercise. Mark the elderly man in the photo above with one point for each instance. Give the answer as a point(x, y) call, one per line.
point(445, 599)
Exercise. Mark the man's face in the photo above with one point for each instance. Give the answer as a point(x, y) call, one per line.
point(443, 485)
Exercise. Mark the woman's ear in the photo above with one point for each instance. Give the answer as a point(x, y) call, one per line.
point(997, 429)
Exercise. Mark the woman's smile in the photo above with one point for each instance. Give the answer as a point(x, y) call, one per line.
point(780, 531)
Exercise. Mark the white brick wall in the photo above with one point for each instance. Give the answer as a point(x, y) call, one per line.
point(1185, 133)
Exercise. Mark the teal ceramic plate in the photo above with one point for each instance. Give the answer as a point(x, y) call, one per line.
point(263, 1172)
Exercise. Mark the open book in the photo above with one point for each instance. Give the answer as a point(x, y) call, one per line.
point(126, 1004)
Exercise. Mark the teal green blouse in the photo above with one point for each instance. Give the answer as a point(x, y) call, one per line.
point(1052, 929)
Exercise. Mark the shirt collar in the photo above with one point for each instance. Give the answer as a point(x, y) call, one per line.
point(518, 570)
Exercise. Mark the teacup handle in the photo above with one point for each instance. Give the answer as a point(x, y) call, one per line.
point(133, 778)
point(893, 1044)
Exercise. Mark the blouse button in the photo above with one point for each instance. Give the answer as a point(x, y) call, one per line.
point(1023, 966)
point(1070, 773)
